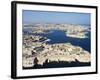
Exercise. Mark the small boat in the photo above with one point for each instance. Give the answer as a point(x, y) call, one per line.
point(47, 40)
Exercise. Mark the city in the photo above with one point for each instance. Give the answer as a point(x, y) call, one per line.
point(36, 47)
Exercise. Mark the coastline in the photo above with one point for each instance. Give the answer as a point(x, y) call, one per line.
point(36, 51)
point(76, 31)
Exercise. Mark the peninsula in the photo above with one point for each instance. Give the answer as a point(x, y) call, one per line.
point(36, 51)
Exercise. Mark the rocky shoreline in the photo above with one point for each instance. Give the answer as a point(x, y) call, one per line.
point(54, 52)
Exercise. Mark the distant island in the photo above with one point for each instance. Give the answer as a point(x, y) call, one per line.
point(36, 50)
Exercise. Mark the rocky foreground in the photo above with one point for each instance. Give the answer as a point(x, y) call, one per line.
point(39, 53)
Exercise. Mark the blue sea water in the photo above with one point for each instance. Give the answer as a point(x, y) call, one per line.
point(59, 36)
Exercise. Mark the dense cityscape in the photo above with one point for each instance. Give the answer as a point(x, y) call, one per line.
point(37, 50)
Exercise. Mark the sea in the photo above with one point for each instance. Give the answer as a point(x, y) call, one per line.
point(59, 36)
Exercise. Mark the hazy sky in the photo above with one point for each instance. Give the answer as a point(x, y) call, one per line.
point(30, 16)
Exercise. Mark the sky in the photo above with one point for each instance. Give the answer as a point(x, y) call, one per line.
point(31, 16)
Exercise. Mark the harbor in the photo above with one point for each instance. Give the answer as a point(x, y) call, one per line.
point(38, 49)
